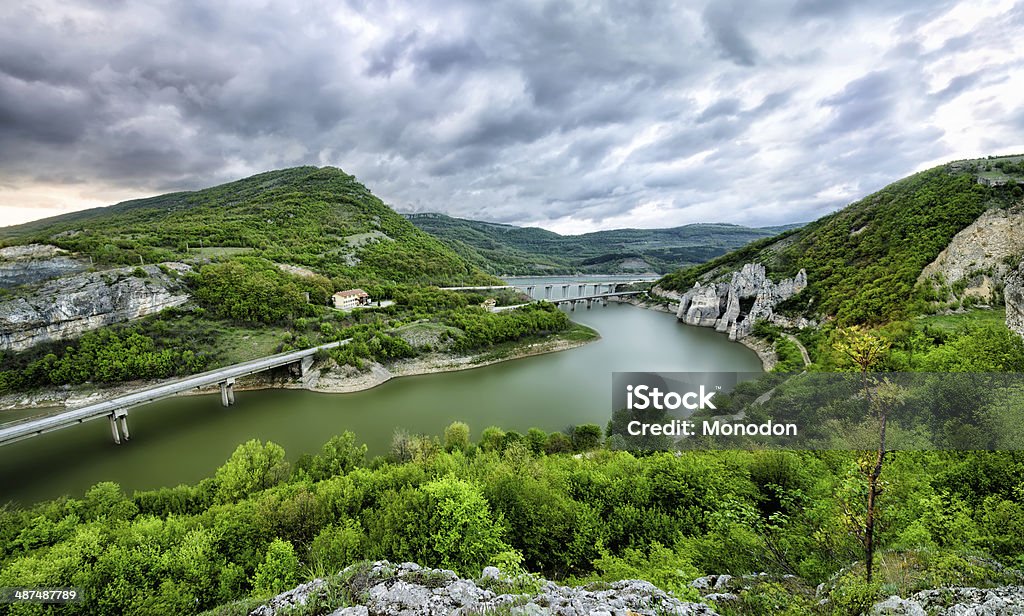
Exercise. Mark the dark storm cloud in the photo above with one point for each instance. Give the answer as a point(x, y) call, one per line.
point(722, 20)
point(863, 103)
point(573, 116)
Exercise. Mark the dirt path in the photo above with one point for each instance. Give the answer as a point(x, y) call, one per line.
point(799, 345)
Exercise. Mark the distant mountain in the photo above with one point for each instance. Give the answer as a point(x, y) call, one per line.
point(318, 218)
point(884, 257)
point(508, 249)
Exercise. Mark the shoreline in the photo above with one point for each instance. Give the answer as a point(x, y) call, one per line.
point(764, 351)
point(336, 379)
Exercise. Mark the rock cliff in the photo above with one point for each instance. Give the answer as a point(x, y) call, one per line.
point(980, 256)
point(68, 306)
point(1013, 295)
point(727, 306)
point(34, 263)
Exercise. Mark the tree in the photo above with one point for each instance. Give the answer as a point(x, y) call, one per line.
point(492, 439)
point(464, 533)
point(338, 456)
point(456, 437)
point(586, 437)
point(865, 349)
point(278, 571)
point(252, 467)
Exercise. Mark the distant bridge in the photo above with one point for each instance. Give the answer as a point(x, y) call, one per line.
point(116, 409)
point(581, 288)
point(589, 300)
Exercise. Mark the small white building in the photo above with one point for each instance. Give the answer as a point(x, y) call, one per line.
point(352, 298)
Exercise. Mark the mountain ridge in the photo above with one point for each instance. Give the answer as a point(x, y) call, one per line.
point(315, 217)
point(501, 248)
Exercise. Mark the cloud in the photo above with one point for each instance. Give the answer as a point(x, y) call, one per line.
point(571, 116)
point(722, 20)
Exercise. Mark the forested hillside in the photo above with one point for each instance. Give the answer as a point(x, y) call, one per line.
point(259, 259)
point(863, 261)
point(320, 218)
point(507, 249)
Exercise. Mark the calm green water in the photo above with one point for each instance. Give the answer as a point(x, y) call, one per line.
point(183, 440)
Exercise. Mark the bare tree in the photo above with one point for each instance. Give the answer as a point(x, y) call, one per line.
point(865, 349)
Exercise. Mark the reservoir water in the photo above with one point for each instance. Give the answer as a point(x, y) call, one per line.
point(183, 440)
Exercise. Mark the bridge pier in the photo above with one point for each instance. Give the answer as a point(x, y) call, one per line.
point(565, 291)
point(113, 429)
point(589, 301)
point(227, 392)
point(529, 291)
point(305, 364)
point(547, 291)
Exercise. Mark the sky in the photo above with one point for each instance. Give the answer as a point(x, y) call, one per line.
point(573, 116)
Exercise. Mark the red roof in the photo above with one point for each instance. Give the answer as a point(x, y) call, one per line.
point(352, 293)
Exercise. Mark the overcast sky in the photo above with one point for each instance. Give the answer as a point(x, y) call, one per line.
point(570, 116)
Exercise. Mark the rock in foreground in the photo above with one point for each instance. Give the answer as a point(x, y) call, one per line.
point(408, 589)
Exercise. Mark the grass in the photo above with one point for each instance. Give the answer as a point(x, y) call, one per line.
point(510, 349)
point(579, 333)
point(954, 322)
point(218, 251)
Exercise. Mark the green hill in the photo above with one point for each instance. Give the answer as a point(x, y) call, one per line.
point(319, 218)
point(507, 249)
point(863, 261)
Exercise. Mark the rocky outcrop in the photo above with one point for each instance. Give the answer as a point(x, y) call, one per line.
point(1003, 601)
point(34, 263)
point(1013, 295)
point(721, 305)
point(67, 307)
point(385, 589)
point(981, 254)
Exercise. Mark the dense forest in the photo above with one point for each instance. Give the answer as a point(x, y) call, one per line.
point(526, 503)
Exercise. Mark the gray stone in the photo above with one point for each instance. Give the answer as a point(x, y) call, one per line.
point(957, 601)
point(895, 606)
point(34, 263)
point(722, 581)
point(69, 306)
point(359, 610)
point(400, 589)
point(490, 573)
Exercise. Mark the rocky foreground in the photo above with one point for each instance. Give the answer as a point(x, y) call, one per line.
point(410, 590)
point(385, 589)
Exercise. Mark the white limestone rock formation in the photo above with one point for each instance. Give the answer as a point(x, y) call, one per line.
point(69, 306)
point(33, 263)
point(1013, 295)
point(720, 306)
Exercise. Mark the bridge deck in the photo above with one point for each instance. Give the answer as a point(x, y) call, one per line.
point(11, 433)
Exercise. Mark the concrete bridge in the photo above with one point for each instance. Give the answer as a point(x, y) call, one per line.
point(589, 300)
point(583, 289)
point(116, 409)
